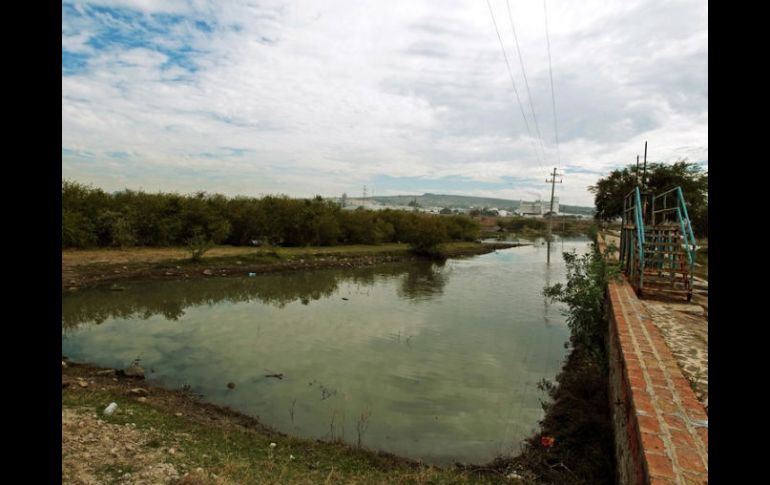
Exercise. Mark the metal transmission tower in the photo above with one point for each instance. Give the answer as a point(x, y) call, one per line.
point(553, 183)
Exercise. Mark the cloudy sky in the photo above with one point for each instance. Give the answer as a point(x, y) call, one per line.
point(405, 97)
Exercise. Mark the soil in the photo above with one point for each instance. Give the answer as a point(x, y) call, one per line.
point(89, 268)
point(116, 450)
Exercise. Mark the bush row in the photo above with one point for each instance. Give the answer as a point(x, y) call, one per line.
point(94, 218)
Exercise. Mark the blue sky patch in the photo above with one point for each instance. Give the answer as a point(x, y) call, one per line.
point(73, 62)
point(123, 28)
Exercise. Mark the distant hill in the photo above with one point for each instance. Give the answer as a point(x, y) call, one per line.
point(464, 201)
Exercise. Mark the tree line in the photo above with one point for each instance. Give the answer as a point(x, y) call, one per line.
point(610, 190)
point(92, 217)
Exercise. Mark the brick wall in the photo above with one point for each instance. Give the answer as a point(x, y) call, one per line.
point(661, 430)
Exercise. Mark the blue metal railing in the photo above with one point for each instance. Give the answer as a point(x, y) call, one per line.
point(632, 238)
point(670, 231)
point(674, 210)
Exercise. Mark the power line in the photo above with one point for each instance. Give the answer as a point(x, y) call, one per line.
point(524, 73)
point(553, 96)
point(510, 74)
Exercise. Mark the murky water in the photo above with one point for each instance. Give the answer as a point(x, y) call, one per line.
point(434, 362)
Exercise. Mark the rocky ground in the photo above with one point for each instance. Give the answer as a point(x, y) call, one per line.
point(172, 437)
point(94, 450)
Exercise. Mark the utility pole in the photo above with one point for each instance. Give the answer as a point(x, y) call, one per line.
point(364, 192)
point(637, 170)
point(553, 183)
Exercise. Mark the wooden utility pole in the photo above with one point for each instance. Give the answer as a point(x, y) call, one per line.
point(553, 183)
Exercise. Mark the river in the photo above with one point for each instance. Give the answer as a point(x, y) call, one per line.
point(436, 362)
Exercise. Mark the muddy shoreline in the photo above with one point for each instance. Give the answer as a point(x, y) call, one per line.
point(90, 276)
point(99, 386)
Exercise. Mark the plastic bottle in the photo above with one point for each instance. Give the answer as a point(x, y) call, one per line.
point(110, 409)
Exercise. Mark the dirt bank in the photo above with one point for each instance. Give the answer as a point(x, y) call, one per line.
point(162, 436)
point(88, 268)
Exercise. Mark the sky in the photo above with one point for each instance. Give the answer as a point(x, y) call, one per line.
point(406, 97)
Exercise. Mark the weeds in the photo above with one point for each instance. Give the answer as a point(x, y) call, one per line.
point(363, 424)
point(577, 426)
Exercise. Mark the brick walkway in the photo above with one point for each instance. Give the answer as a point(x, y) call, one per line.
point(665, 435)
point(684, 327)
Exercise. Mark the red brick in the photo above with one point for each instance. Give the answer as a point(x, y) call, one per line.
point(663, 393)
point(647, 355)
point(661, 481)
point(695, 478)
point(652, 442)
point(655, 373)
point(635, 372)
point(704, 436)
point(642, 403)
point(696, 412)
point(674, 421)
point(637, 383)
point(682, 438)
point(689, 459)
point(690, 402)
point(648, 423)
point(666, 405)
point(659, 465)
point(659, 381)
point(652, 365)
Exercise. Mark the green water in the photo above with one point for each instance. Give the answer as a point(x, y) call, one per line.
point(442, 361)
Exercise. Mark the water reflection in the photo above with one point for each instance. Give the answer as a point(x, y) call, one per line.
point(444, 359)
point(418, 280)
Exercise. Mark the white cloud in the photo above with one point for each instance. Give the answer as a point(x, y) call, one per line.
point(323, 98)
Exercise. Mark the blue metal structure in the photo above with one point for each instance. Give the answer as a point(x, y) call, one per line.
point(657, 244)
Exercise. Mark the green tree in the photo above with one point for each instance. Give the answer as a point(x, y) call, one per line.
point(427, 235)
point(610, 191)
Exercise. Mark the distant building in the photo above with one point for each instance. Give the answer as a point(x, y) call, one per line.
point(538, 207)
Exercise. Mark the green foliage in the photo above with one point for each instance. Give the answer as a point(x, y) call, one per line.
point(610, 190)
point(91, 217)
point(577, 414)
point(198, 244)
point(426, 236)
point(587, 278)
point(593, 232)
point(518, 224)
point(462, 228)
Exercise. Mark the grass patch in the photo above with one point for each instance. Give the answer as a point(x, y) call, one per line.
point(242, 454)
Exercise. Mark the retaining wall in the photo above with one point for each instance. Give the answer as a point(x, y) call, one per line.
point(661, 430)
